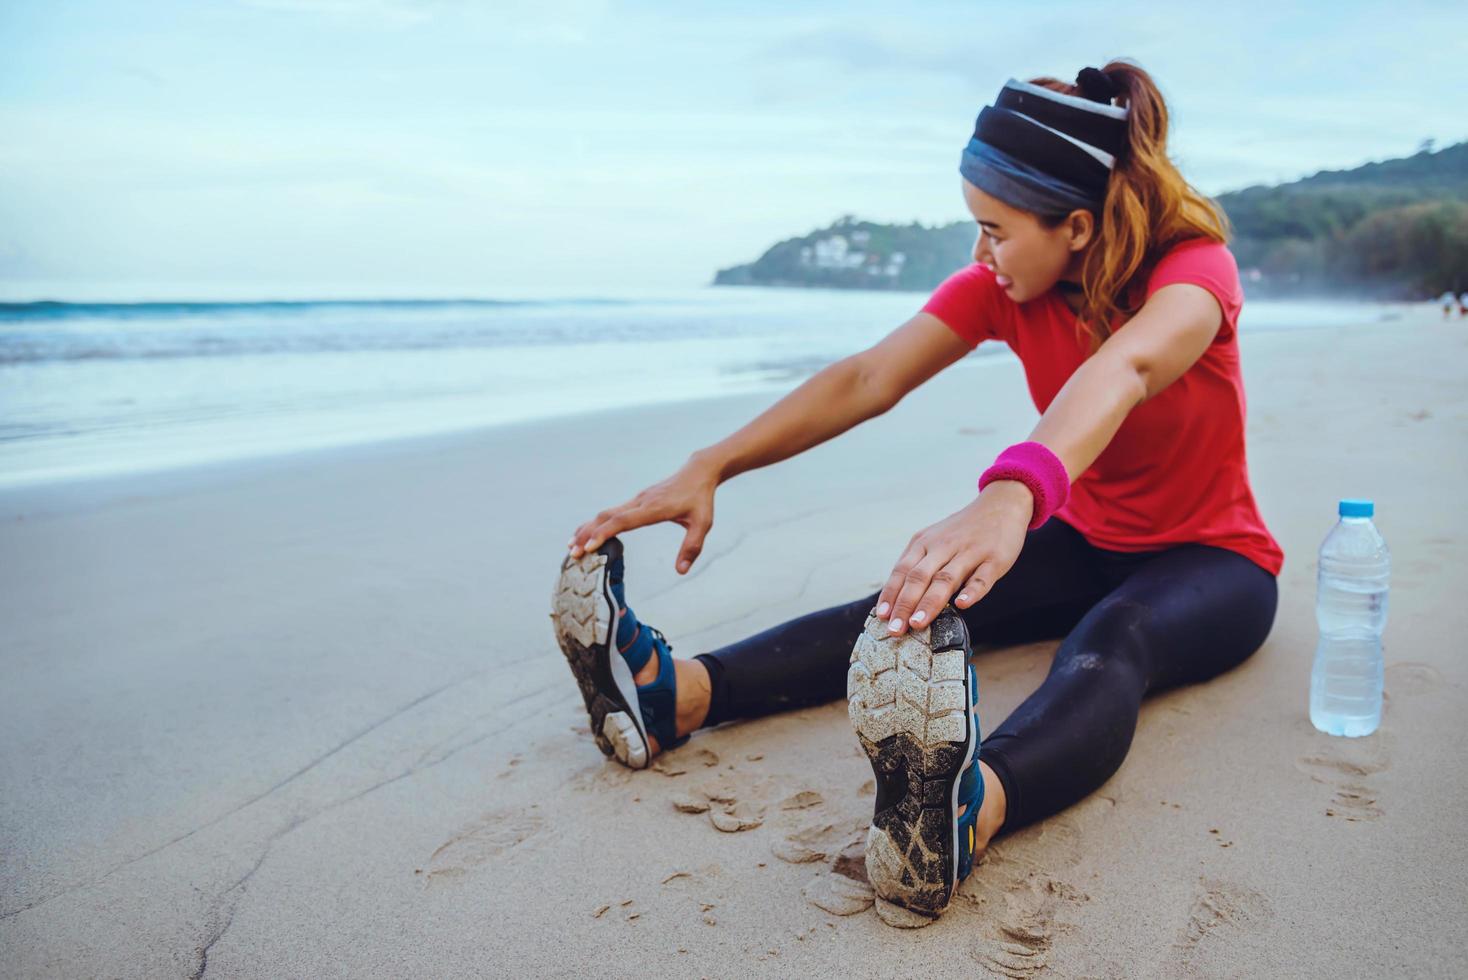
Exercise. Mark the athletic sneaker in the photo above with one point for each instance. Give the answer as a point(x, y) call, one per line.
point(590, 613)
point(912, 702)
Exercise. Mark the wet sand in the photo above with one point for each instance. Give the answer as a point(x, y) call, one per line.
point(306, 717)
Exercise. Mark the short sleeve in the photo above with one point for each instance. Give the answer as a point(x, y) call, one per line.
point(973, 305)
point(1207, 264)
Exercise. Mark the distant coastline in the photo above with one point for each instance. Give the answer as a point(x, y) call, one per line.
point(1393, 230)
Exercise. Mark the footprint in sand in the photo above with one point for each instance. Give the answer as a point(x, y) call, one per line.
point(1047, 848)
point(1350, 758)
point(1221, 912)
point(812, 842)
point(1354, 803)
point(1018, 890)
point(820, 838)
point(485, 839)
point(1345, 769)
point(1018, 943)
point(1410, 678)
point(678, 763)
point(599, 776)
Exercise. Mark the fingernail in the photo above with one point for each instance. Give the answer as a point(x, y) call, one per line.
point(683, 566)
point(918, 617)
point(883, 608)
point(895, 625)
point(963, 597)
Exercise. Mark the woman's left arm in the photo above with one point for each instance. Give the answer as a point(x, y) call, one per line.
point(972, 549)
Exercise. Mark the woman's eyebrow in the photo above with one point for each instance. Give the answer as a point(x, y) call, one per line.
point(990, 224)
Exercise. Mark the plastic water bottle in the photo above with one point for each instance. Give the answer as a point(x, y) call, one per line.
point(1350, 607)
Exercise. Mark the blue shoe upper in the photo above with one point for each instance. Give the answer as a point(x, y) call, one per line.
point(633, 642)
point(970, 791)
point(659, 700)
point(637, 642)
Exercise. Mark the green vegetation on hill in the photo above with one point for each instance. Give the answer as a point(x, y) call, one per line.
point(1397, 228)
point(859, 255)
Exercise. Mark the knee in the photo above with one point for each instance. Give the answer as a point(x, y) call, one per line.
point(1112, 637)
point(1102, 667)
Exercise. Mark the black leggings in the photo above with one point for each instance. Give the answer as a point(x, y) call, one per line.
point(1134, 623)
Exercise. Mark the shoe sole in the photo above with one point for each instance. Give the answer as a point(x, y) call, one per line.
point(908, 699)
point(585, 615)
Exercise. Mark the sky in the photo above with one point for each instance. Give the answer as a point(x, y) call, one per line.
point(318, 148)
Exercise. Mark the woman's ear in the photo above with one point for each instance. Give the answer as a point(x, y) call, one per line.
point(1080, 225)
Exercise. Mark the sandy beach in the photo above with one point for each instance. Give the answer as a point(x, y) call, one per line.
point(306, 717)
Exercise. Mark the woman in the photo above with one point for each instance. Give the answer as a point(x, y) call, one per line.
point(1125, 524)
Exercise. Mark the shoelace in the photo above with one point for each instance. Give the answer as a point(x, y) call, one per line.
point(659, 634)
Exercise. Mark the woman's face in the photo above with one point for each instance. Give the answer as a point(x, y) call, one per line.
point(1027, 258)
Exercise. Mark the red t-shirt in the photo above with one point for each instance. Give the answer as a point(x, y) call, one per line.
point(1175, 472)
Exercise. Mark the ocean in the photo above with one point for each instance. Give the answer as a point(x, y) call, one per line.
point(94, 389)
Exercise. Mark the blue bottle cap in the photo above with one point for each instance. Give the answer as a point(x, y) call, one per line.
point(1357, 508)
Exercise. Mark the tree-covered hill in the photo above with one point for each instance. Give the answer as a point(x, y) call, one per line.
point(860, 255)
point(1394, 228)
point(1398, 227)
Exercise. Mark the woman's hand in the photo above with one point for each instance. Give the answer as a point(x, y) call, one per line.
point(965, 553)
point(686, 498)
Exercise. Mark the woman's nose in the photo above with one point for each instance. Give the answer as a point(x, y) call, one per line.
point(981, 254)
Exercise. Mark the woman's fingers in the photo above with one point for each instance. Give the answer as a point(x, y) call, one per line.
point(603, 526)
point(692, 544)
point(898, 578)
point(978, 584)
point(915, 583)
point(686, 498)
point(578, 537)
point(940, 590)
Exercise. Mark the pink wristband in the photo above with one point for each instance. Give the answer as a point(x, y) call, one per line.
point(1034, 465)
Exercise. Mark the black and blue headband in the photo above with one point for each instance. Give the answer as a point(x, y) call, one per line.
point(1046, 152)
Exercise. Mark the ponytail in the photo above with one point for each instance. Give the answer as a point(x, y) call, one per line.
point(1149, 207)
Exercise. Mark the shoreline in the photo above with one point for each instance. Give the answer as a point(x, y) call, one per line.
point(208, 471)
point(413, 424)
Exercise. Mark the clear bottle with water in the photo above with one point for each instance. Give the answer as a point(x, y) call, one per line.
point(1350, 608)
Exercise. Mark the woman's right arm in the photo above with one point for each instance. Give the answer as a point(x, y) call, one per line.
point(835, 399)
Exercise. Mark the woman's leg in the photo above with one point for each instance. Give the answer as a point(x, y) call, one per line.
point(803, 662)
point(1186, 615)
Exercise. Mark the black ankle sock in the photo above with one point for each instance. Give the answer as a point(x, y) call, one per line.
point(718, 691)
